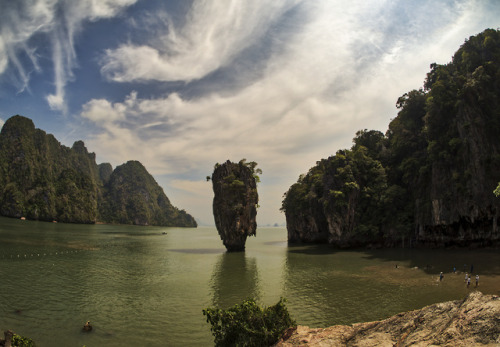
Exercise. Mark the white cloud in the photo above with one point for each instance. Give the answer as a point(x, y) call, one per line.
point(102, 111)
point(3, 56)
point(58, 21)
point(213, 34)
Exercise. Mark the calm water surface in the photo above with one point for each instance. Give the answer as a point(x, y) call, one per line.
point(141, 287)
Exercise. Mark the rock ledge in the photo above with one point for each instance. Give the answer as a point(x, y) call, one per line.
point(474, 321)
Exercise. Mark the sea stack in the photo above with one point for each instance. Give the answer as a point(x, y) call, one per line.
point(235, 202)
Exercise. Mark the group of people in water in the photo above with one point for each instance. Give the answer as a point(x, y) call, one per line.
point(467, 275)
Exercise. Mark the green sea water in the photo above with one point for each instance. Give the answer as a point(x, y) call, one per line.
point(139, 286)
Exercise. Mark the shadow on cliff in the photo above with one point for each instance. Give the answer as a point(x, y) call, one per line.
point(234, 278)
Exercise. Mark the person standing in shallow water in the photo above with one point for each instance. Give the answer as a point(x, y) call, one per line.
point(477, 280)
point(468, 282)
point(441, 276)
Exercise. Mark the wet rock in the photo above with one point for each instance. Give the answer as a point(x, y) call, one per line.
point(7, 342)
point(474, 321)
point(235, 203)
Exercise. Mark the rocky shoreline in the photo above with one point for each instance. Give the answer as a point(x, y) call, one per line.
point(474, 321)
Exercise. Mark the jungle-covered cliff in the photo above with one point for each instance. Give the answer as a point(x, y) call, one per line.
point(428, 180)
point(235, 202)
point(41, 179)
point(132, 195)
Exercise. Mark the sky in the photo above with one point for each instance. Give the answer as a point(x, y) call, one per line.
point(181, 85)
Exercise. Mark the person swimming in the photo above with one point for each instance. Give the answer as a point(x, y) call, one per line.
point(87, 326)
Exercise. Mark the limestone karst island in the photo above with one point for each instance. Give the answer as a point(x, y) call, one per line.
point(44, 180)
point(429, 180)
point(235, 202)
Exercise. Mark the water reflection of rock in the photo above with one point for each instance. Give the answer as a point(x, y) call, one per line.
point(311, 284)
point(234, 279)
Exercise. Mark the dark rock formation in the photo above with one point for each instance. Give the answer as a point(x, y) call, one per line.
point(234, 205)
point(41, 179)
point(429, 180)
point(473, 321)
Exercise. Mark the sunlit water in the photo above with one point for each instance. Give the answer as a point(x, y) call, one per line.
point(141, 287)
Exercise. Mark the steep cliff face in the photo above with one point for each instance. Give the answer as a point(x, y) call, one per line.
point(41, 179)
point(234, 204)
point(462, 127)
point(339, 201)
point(460, 207)
point(429, 180)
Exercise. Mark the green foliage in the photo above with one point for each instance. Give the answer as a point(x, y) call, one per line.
point(348, 187)
point(247, 324)
point(372, 140)
point(21, 341)
point(497, 190)
point(253, 167)
point(239, 182)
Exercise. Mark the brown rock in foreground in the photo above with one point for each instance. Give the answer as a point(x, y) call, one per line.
point(474, 321)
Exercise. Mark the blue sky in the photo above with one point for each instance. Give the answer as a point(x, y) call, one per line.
point(181, 85)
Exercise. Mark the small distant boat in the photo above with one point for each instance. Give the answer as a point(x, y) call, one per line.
point(164, 233)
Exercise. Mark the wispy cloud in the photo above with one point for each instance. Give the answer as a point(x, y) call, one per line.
point(332, 69)
point(26, 26)
point(213, 34)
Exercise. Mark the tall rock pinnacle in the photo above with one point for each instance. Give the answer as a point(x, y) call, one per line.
point(235, 200)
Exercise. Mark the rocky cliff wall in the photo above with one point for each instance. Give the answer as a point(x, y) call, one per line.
point(429, 180)
point(235, 204)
